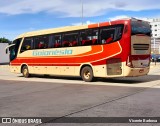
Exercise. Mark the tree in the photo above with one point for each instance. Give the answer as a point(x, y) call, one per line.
point(4, 40)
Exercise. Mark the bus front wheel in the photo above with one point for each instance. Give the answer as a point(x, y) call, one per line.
point(25, 72)
point(87, 74)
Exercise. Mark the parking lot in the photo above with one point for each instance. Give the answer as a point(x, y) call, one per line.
point(71, 97)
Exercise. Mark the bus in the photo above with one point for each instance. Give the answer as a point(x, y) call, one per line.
point(120, 48)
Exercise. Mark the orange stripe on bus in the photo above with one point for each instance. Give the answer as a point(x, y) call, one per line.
point(93, 26)
point(104, 24)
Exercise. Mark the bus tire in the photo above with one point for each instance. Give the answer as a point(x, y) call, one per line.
point(87, 74)
point(25, 72)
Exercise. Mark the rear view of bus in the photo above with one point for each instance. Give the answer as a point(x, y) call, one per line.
point(138, 61)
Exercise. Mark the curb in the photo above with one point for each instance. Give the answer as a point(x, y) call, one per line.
point(4, 66)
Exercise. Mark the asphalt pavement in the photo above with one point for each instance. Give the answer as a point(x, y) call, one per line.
point(71, 97)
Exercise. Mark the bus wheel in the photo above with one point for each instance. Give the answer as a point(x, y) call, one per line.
point(25, 72)
point(87, 74)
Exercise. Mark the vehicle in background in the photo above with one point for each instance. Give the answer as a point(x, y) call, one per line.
point(155, 57)
point(4, 59)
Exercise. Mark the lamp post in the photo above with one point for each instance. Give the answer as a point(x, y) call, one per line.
point(82, 11)
point(154, 43)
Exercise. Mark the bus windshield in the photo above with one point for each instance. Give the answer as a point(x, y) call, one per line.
point(14, 49)
point(140, 27)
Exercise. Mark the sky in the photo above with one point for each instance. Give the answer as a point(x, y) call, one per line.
point(20, 16)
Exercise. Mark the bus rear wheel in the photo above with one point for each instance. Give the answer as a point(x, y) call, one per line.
point(87, 74)
point(25, 72)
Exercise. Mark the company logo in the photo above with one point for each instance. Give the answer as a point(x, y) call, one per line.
point(6, 120)
point(21, 120)
point(52, 52)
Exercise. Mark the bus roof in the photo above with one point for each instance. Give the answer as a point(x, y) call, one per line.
point(65, 29)
point(52, 30)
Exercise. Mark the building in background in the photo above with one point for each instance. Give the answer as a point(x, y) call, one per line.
point(155, 42)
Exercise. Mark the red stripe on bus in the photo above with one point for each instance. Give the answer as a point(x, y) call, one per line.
point(38, 64)
point(139, 57)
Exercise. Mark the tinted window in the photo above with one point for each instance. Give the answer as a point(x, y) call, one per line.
point(140, 27)
point(14, 49)
point(27, 44)
point(111, 33)
point(41, 42)
point(70, 39)
point(57, 41)
point(51, 41)
point(89, 37)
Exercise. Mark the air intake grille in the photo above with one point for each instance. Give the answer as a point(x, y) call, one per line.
point(141, 46)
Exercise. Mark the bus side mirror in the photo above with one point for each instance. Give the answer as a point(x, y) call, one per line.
point(8, 48)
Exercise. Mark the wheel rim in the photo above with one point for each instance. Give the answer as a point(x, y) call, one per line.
point(25, 72)
point(87, 75)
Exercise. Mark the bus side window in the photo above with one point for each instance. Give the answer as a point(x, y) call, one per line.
point(58, 41)
point(70, 39)
point(27, 44)
point(107, 35)
point(41, 42)
point(51, 41)
point(111, 33)
point(36, 42)
point(83, 37)
point(89, 37)
point(119, 32)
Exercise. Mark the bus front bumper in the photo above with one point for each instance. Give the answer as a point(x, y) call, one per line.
point(15, 69)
